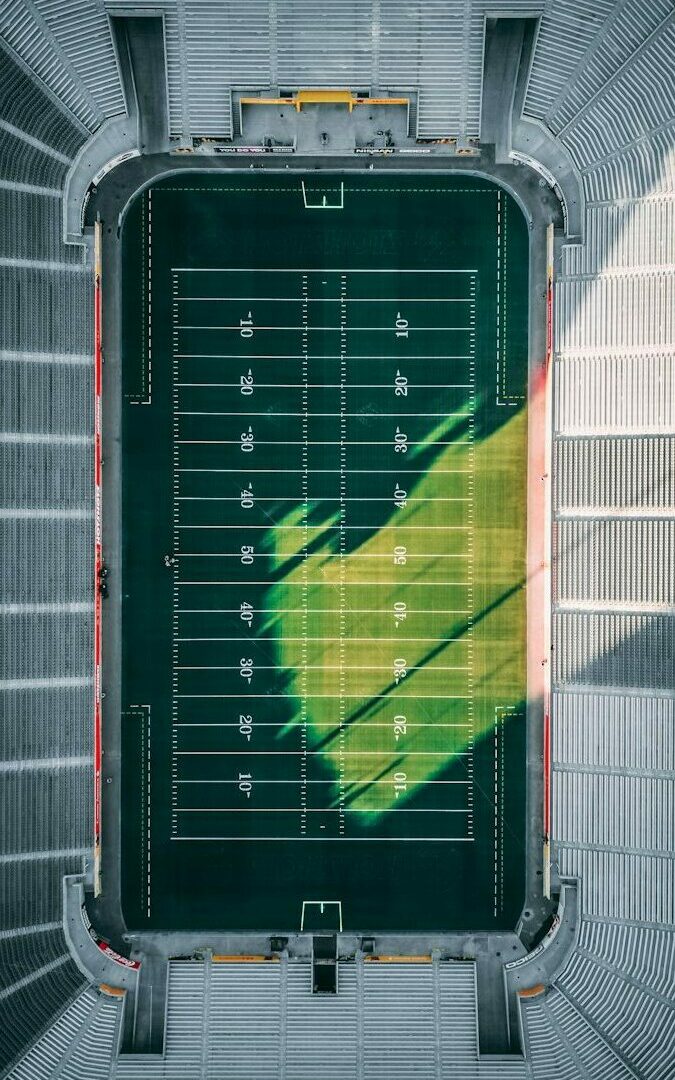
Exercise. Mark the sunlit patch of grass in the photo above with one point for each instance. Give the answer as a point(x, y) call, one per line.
point(371, 742)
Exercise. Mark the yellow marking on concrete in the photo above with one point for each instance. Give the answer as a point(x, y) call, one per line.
point(324, 97)
point(397, 959)
point(219, 958)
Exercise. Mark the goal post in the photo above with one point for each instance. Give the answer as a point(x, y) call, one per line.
point(319, 200)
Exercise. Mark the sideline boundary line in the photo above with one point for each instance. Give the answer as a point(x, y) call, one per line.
point(304, 270)
point(98, 552)
point(548, 420)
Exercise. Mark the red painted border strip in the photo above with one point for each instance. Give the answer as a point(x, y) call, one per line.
point(105, 946)
point(547, 775)
point(548, 552)
point(98, 558)
point(539, 551)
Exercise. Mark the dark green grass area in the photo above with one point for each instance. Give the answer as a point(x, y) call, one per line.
point(324, 499)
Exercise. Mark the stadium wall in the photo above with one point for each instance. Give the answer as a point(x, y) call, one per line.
point(612, 708)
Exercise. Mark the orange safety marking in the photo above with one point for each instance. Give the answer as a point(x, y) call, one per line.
point(397, 959)
point(219, 958)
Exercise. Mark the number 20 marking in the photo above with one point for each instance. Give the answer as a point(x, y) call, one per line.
point(400, 385)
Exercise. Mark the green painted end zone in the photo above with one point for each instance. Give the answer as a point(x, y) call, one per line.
point(324, 527)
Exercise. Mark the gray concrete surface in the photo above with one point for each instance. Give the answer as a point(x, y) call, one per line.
point(92, 962)
point(504, 87)
point(110, 201)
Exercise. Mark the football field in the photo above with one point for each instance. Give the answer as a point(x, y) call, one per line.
point(324, 541)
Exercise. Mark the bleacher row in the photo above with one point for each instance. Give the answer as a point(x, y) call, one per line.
point(611, 1011)
point(612, 1007)
point(259, 1021)
point(598, 83)
point(45, 572)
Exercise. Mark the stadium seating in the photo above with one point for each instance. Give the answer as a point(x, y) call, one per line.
point(387, 1020)
point(638, 1025)
point(68, 46)
point(78, 1046)
point(597, 84)
point(564, 1045)
point(45, 533)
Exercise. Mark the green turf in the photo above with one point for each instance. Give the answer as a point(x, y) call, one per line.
point(324, 427)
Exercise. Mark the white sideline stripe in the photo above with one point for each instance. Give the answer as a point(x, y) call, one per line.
point(325, 641)
point(331, 697)
point(335, 300)
point(73, 607)
point(43, 856)
point(39, 437)
point(30, 189)
point(14, 356)
point(326, 528)
point(315, 753)
point(329, 415)
point(35, 764)
point(315, 810)
point(314, 356)
point(61, 682)
point(28, 931)
point(352, 839)
point(38, 973)
point(329, 386)
point(44, 147)
point(303, 270)
point(350, 584)
point(336, 472)
point(43, 264)
point(45, 512)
